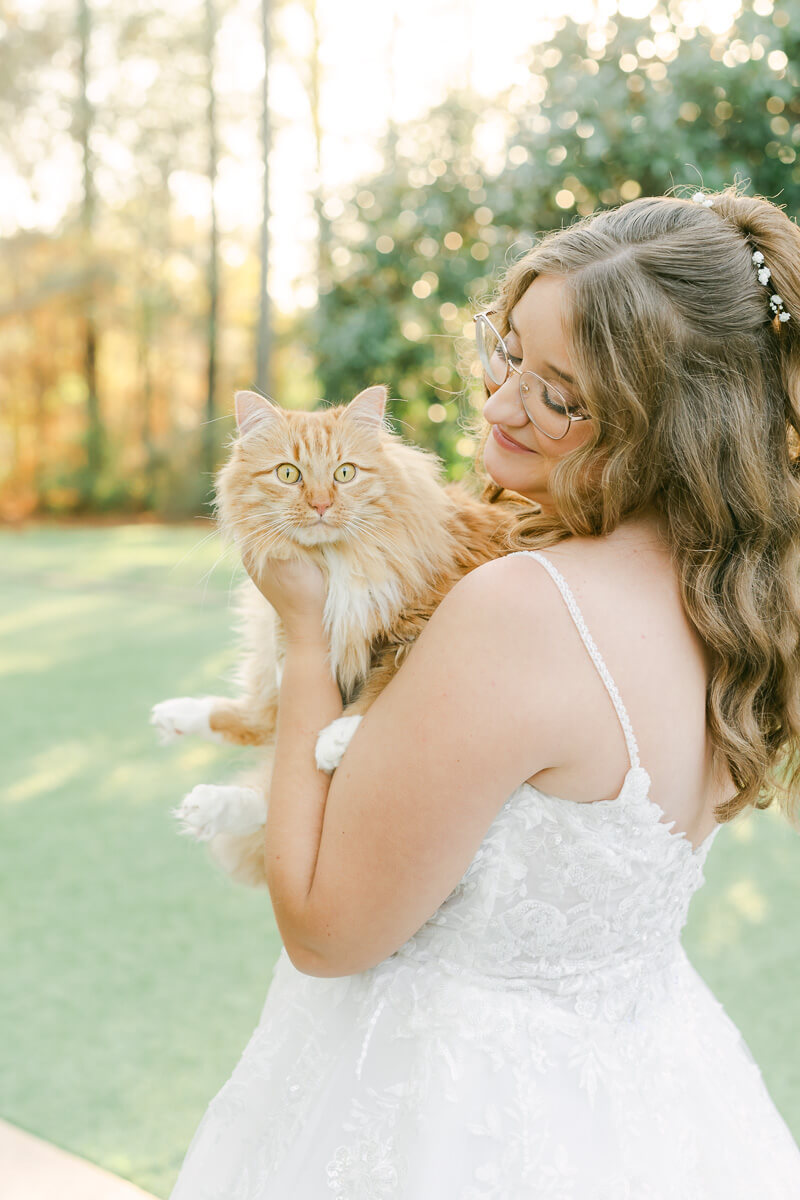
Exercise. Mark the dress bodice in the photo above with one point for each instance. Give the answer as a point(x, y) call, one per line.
point(582, 902)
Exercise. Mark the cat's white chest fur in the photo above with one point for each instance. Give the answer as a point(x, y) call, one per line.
point(354, 612)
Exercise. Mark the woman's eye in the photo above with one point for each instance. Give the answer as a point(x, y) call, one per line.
point(287, 473)
point(553, 404)
point(509, 357)
point(344, 473)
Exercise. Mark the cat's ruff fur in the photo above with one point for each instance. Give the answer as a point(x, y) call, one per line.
point(395, 540)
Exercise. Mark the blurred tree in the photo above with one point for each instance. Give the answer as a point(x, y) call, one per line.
point(608, 111)
point(415, 241)
point(84, 128)
point(32, 281)
point(264, 333)
point(209, 456)
point(314, 102)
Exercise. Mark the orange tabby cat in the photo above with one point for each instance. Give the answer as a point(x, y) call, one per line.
point(338, 486)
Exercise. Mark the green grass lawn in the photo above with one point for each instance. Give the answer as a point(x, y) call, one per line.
point(138, 970)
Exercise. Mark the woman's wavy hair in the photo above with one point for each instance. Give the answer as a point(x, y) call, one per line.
point(694, 388)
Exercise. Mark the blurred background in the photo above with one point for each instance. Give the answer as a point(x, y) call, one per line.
point(305, 196)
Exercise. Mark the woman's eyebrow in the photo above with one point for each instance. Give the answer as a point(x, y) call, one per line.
point(548, 366)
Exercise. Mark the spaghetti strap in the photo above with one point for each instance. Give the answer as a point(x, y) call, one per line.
point(596, 656)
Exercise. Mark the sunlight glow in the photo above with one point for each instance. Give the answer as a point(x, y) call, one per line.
point(416, 53)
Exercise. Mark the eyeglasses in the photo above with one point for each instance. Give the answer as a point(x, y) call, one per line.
point(544, 405)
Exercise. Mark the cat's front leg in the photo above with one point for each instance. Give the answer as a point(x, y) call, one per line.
point(183, 715)
point(215, 719)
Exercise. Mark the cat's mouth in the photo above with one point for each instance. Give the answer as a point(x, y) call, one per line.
point(317, 532)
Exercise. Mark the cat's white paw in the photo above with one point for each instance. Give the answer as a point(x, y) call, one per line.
point(210, 808)
point(333, 740)
point(185, 714)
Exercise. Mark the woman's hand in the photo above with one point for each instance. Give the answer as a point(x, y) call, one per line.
point(296, 589)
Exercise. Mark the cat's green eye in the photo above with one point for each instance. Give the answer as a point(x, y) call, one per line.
point(287, 473)
point(344, 473)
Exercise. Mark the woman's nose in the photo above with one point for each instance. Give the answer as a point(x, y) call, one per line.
point(502, 402)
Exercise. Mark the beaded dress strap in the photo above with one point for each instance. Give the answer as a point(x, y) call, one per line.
point(596, 656)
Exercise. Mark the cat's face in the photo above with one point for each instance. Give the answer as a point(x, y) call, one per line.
point(304, 479)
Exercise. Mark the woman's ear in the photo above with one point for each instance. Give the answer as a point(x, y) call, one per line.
point(252, 410)
point(367, 408)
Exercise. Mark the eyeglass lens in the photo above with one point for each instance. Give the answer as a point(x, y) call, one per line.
point(493, 360)
point(544, 405)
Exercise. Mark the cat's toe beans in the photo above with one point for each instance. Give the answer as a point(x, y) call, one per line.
point(198, 812)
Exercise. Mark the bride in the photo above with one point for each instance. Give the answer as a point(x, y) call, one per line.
point(482, 991)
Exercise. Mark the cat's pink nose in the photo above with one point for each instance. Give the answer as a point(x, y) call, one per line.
point(322, 506)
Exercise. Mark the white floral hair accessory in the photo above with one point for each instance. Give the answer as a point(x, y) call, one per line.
point(764, 274)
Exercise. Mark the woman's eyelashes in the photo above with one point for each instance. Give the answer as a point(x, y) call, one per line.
point(515, 359)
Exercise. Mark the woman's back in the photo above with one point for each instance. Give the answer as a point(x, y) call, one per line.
point(580, 905)
point(626, 588)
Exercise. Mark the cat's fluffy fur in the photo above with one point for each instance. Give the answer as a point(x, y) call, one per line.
point(392, 542)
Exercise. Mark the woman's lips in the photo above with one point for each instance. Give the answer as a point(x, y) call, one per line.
point(508, 443)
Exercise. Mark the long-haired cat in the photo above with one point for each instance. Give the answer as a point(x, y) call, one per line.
point(340, 487)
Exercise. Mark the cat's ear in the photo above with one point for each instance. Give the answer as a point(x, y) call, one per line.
point(252, 410)
point(368, 406)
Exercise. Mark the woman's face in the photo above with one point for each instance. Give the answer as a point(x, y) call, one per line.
point(535, 343)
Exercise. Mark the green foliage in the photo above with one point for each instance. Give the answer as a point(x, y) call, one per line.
point(635, 108)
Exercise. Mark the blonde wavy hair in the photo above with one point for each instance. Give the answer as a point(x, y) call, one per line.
point(694, 388)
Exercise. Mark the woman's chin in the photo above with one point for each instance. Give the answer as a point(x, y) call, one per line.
point(502, 472)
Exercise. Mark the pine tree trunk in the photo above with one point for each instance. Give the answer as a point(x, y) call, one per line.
point(324, 278)
point(94, 427)
point(264, 332)
point(209, 440)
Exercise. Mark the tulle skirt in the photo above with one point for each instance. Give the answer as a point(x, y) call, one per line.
point(411, 1082)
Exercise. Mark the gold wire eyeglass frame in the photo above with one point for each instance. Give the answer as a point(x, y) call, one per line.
point(509, 367)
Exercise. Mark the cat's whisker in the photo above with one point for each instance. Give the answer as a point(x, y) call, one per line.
point(278, 531)
point(230, 528)
point(211, 570)
point(192, 549)
point(219, 558)
point(372, 532)
point(233, 578)
point(227, 417)
point(262, 526)
point(252, 544)
point(264, 539)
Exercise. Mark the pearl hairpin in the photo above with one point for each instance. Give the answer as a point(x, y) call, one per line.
point(762, 270)
point(764, 276)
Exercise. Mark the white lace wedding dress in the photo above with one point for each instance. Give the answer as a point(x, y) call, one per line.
point(543, 1035)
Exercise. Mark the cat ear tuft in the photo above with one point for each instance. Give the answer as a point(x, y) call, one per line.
point(252, 409)
point(368, 406)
